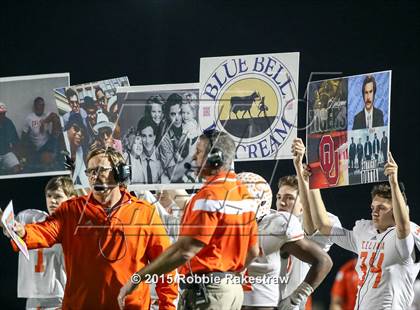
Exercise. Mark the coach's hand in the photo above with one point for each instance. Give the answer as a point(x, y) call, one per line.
point(18, 228)
point(127, 289)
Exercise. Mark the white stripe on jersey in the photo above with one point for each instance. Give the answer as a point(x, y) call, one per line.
point(226, 206)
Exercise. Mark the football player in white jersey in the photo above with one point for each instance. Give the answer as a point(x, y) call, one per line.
point(279, 231)
point(42, 278)
point(288, 200)
point(292, 197)
point(386, 262)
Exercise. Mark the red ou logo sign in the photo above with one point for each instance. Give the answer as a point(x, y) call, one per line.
point(329, 159)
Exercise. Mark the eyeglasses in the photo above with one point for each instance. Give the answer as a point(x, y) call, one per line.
point(97, 171)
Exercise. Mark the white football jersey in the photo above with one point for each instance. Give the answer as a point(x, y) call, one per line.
point(296, 269)
point(274, 231)
point(43, 276)
point(415, 231)
point(386, 274)
point(416, 301)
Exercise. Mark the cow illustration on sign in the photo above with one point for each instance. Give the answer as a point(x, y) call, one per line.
point(243, 104)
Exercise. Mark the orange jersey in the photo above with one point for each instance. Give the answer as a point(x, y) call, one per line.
point(345, 284)
point(222, 216)
point(102, 251)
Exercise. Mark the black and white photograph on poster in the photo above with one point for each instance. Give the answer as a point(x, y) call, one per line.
point(368, 154)
point(88, 114)
point(159, 129)
point(31, 136)
point(253, 98)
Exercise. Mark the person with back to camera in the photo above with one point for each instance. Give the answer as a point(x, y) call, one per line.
point(217, 238)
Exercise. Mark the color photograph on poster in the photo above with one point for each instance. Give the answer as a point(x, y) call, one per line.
point(88, 113)
point(159, 129)
point(254, 98)
point(31, 136)
point(358, 105)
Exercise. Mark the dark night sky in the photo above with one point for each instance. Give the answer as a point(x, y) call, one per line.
point(161, 41)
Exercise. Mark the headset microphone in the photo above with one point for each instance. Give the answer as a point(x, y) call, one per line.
point(190, 167)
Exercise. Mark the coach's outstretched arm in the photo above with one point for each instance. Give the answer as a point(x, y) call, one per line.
point(399, 206)
point(321, 263)
point(298, 150)
point(179, 253)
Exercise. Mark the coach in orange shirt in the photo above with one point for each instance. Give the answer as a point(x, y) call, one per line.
point(218, 235)
point(106, 236)
point(344, 289)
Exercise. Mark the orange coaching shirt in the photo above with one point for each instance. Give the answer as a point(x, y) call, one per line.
point(222, 216)
point(102, 252)
point(345, 284)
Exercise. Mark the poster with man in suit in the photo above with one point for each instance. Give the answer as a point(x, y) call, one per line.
point(369, 96)
point(348, 129)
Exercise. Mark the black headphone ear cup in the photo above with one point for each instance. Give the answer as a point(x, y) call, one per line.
point(122, 172)
point(215, 158)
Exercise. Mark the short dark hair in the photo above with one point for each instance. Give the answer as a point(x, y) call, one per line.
point(144, 123)
point(89, 103)
point(369, 79)
point(157, 99)
point(63, 182)
point(37, 99)
point(70, 92)
point(97, 89)
point(383, 190)
point(75, 119)
point(289, 180)
point(172, 100)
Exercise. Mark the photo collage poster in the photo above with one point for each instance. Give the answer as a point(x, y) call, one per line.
point(253, 98)
point(348, 126)
point(88, 114)
point(31, 136)
point(159, 129)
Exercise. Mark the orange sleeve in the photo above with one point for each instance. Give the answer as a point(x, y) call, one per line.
point(199, 225)
point(167, 290)
point(42, 235)
point(339, 289)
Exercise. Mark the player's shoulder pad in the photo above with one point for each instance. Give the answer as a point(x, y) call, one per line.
point(148, 197)
point(29, 216)
point(363, 226)
point(334, 220)
point(284, 223)
point(415, 231)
